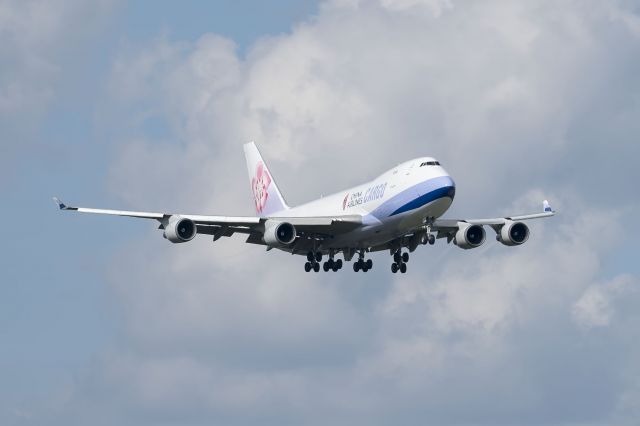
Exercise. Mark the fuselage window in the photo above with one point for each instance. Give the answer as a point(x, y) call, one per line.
point(430, 163)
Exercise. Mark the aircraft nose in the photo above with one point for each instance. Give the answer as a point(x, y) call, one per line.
point(452, 188)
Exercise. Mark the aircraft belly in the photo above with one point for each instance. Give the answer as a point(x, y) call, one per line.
point(391, 227)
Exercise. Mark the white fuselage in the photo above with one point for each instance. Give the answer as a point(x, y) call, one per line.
point(389, 205)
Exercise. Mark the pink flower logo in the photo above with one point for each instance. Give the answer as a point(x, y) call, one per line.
point(344, 202)
point(260, 185)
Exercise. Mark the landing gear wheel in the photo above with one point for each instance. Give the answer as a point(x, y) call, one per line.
point(307, 267)
point(432, 239)
point(310, 257)
point(326, 266)
point(356, 266)
point(316, 267)
point(405, 257)
point(394, 267)
point(397, 257)
point(318, 256)
point(369, 263)
point(335, 267)
point(403, 268)
point(338, 263)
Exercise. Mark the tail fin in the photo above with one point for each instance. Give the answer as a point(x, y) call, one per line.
point(546, 206)
point(266, 194)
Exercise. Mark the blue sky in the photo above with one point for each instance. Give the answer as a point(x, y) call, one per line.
point(145, 106)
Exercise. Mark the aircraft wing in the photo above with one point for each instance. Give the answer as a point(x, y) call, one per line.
point(225, 226)
point(447, 227)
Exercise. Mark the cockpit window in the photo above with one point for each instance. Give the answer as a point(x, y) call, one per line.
point(430, 163)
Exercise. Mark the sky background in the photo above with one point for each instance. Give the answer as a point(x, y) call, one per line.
point(145, 106)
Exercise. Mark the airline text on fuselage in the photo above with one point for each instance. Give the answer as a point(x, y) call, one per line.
point(371, 194)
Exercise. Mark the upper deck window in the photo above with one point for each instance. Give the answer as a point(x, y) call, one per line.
point(430, 163)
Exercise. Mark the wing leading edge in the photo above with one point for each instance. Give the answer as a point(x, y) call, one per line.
point(225, 226)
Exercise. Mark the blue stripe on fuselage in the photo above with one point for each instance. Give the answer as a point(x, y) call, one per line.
point(445, 191)
point(416, 196)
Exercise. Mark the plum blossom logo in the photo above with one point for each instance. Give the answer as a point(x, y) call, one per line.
point(344, 202)
point(260, 185)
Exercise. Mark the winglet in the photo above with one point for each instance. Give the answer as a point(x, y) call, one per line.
point(547, 206)
point(60, 204)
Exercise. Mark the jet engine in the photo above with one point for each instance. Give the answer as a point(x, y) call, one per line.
point(469, 236)
point(279, 233)
point(513, 233)
point(180, 229)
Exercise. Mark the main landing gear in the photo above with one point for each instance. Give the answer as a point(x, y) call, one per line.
point(361, 264)
point(314, 259)
point(332, 265)
point(400, 262)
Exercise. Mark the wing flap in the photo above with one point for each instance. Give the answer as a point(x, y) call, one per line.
point(324, 224)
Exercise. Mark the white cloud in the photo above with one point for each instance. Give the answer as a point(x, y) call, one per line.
point(435, 6)
point(595, 308)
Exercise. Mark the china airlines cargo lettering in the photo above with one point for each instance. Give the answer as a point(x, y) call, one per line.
point(397, 212)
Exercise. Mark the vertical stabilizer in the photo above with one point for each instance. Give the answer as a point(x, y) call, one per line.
point(266, 195)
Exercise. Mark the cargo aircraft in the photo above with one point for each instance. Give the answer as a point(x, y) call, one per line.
point(397, 211)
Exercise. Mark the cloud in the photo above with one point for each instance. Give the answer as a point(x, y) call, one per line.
point(595, 308)
point(519, 101)
point(39, 42)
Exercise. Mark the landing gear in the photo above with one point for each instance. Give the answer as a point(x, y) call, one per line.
point(361, 264)
point(428, 237)
point(337, 265)
point(331, 264)
point(400, 262)
point(315, 258)
point(313, 262)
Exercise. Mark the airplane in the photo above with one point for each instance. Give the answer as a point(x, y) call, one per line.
point(400, 209)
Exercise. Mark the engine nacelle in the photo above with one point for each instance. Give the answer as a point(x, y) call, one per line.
point(279, 233)
point(469, 236)
point(513, 233)
point(180, 229)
